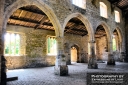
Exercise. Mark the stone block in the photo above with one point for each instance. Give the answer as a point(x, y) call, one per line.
point(63, 70)
point(92, 66)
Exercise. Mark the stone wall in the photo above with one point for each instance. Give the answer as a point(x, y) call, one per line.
point(80, 42)
point(15, 62)
point(34, 48)
point(64, 8)
point(101, 43)
point(126, 29)
point(33, 51)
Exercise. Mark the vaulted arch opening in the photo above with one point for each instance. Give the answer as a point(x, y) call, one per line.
point(101, 43)
point(76, 32)
point(117, 44)
point(29, 38)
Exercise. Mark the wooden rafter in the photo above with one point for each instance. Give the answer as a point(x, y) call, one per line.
point(41, 22)
point(30, 21)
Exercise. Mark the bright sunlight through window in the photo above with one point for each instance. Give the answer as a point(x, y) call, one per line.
point(117, 16)
point(80, 3)
point(12, 44)
point(51, 45)
point(103, 10)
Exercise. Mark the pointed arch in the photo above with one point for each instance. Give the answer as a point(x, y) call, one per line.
point(41, 5)
point(108, 32)
point(119, 33)
point(120, 37)
point(84, 20)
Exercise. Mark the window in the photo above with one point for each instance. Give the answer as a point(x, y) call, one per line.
point(51, 45)
point(114, 43)
point(103, 10)
point(12, 44)
point(117, 16)
point(80, 3)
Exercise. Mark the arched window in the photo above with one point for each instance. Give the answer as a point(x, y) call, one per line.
point(80, 3)
point(51, 45)
point(103, 10)
point(117, 16)
point(12, 44)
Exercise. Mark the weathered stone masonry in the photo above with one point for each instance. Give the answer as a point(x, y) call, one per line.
point(59, 10)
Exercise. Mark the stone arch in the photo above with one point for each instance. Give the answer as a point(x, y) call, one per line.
point(120, 35)
point(108, 32)
point(40, 4)
point(84, 20)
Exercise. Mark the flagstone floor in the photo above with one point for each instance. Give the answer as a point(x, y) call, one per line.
point(45, 75)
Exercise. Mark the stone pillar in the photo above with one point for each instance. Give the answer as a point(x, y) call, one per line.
point(122, 54)
point(3, 71)
point(60, 65)
point(111, 60)
point(92, 63)
point(1, 38)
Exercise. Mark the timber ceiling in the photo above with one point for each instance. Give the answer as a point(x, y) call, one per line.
point(122, 4)
point(100, 32)
point(31, 16)
point(115, 32)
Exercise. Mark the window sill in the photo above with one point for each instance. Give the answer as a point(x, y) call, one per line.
point(13, 55)
point(51, 55)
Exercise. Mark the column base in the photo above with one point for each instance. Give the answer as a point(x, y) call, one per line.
point(111, 60)
point(126, 60)
point(68, 63)
point(92, 66)
point(61, 70)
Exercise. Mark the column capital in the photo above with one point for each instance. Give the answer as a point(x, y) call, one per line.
point(58, 37)
point(92, 41)
point(110, 42)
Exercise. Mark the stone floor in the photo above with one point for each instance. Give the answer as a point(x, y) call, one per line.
point(45, 75)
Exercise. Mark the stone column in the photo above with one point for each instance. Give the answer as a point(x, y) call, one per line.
point(121, 52)
point(111, 60)
point(60, 65)
point(1, 40)
point(92, 63)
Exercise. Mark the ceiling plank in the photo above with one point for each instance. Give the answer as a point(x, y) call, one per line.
point(68, 29)
point(20, 13)
point(30, 21)
point(33, 11)
point(41, 22)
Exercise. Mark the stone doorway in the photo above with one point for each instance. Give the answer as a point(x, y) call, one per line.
point(73, 55)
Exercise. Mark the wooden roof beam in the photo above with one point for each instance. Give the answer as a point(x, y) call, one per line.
point(41, 22)
point(33, 11)
point(31, 21)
